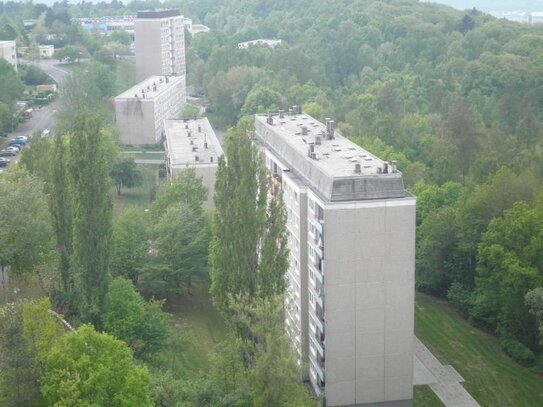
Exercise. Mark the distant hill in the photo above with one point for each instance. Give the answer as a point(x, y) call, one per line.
point(493, 5)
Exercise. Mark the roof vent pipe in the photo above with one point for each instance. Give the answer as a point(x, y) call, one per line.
point(394, 166)
point(357, 168)
point(318, 140)
point(269, 120)
point(385, 168)
point(281, 114)
point(311, 150)
point(304, 130)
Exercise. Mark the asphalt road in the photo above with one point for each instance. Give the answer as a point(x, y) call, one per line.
point(43, 117)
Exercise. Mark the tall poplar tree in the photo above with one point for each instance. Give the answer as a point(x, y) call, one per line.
point(248, 253)
point(62, 220)
point(88, 168)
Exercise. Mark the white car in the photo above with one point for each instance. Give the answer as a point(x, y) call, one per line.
point(14, 148)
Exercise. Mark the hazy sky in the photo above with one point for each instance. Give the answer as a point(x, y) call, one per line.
point(497, 5)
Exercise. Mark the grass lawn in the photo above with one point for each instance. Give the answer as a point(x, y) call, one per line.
point(197, 328)
point(423, 396)
point(492, 378)
point(140, 196)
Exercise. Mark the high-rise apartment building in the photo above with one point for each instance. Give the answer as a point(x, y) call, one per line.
point(160, 43)
point(350, 303)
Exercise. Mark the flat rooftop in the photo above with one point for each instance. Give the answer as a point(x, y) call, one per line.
point(191, 142)
point(161, 13)
point(150, 87)
point(337, 168)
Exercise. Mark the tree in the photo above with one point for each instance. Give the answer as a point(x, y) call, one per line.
point(11, 85)
point(66, 54)
point(181, 243)
point(19, 375)
point(508, 268)
point(239, 265)
point(271, 369)
point(143, 326)
point(61, 211)
point(185, 187)
point(93, 369)
point(126, 173)
point(88, 171)
point(129, 244)
point(25, 235)
point(534, 301)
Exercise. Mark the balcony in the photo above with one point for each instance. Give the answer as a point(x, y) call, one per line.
point(319, 370)
point(317, 224)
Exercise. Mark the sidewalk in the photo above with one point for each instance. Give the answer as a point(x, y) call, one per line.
point(444, 380)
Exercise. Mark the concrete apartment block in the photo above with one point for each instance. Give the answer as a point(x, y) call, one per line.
point(8, 51)
point(351, 231)
point(160, 43)
point(191, 143)
point(141, 110)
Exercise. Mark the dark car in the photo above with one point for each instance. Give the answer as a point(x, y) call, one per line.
point(7, 153)
point(3, 162)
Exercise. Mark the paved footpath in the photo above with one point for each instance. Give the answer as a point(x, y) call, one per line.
point(442, 379)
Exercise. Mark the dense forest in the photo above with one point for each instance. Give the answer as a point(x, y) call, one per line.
point(455, 97)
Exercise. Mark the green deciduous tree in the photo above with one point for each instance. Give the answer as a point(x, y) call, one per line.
point(125, 173)
point(88, 368)
point(248, 249)
point(185, 187)
point(143, 326)
point(25, 235)
point(129, 244)
point(181, 243)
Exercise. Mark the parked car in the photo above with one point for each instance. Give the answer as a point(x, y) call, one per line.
point(21, 138)
point(14, 148)
point(46, 133)
point(3, 162)
point(17, 142)
point(7, 153)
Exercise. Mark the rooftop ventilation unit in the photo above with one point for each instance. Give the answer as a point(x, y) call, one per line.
point(281, 114)
point(304, 130)
point(393, 166)
point(269, 119)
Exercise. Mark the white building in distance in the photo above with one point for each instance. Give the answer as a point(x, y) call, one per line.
point(141, 110)
point(349, 309)
point(8, 51)
point(46, 51)
point(191, 143)
point(160, 43)
point(270, 43)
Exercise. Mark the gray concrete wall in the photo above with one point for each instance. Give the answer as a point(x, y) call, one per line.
point(369, 301)
point(148, 51)
point(135, 120)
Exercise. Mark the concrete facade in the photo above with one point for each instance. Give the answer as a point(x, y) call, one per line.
point(351, 231)
point(192, 143)
point(8, 51)
point(160, 43)
point(141, 110)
